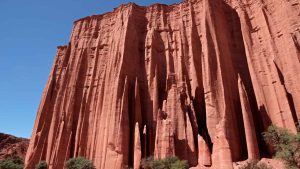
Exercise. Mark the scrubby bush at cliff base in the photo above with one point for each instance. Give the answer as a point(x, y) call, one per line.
point(79, 163)
point(12, 163)
point(254, 164)
point(145, 163)
point(285, 144)
point(168, 163)
point(42, 165)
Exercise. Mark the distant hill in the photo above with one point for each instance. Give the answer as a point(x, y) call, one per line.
point(12, 146)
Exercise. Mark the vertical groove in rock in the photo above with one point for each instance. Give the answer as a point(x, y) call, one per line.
point(204, 153)
point(200, 80)
point(252, 146)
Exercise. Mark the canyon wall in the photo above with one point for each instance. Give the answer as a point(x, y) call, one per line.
point(200, 80)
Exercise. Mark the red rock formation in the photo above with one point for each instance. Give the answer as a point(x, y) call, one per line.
point(174, 71)
point(251, 140)
point(204, 153)
point(11, 146)
point(137, 148)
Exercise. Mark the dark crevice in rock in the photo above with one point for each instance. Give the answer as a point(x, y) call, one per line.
point(289, 96)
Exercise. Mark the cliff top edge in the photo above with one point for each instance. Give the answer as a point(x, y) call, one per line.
point(120, 7)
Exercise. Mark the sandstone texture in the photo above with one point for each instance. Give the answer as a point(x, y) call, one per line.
point(200, 80)
point(11, 146)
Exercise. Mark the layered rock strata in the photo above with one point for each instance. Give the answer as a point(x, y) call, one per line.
point(200, 80)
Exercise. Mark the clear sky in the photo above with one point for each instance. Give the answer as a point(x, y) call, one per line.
point(30, 30)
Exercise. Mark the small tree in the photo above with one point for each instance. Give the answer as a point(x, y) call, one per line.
point(42, 165)
point(12, 163)
point(285, 144)
point(79, 163)
point(254, 164)
point(145, 163)
point(179, 164)
point(168, 163)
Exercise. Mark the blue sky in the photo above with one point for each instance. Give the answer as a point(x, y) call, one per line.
point(30, 30)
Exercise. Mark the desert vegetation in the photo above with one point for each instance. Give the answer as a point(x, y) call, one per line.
point(285, 144)
point(167, 163)
point(286, 147)
point(42, 165)
point(79, 163)
point(12, 163)
point(255, 164)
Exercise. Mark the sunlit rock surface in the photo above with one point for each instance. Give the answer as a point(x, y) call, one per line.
point(200, 80)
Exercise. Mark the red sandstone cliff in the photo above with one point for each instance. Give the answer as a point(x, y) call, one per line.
point(12, 146)
point(200, 80)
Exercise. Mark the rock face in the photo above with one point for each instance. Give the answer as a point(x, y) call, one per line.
point(12, 146)
point(200, 80)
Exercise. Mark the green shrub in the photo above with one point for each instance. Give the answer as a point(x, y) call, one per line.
point(12, 163)
point(168, 163)
point(254, 164)
point(42, 165)
point(79, 163)
point(285, 144)
point(145, 163)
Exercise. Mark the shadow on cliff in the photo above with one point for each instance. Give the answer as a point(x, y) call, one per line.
point(241, 66)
